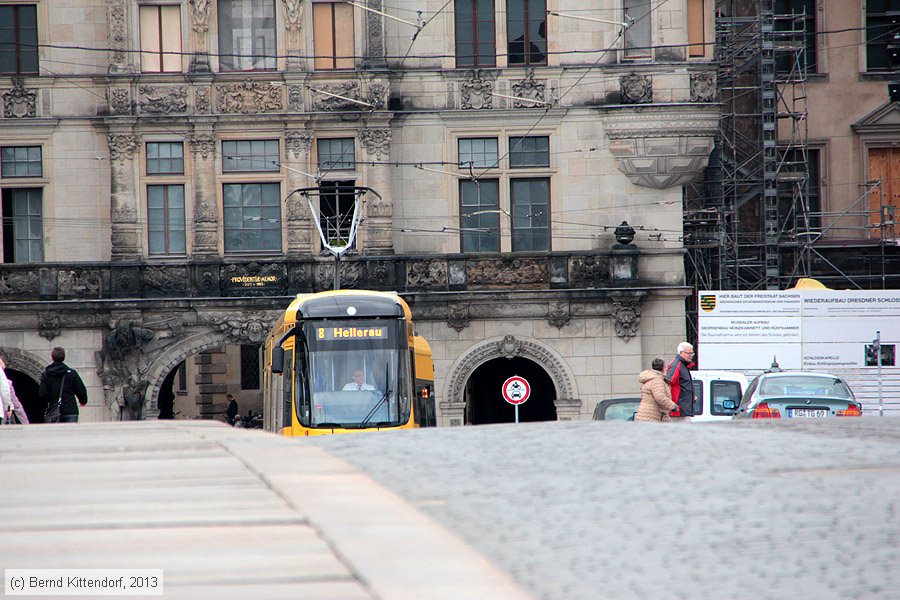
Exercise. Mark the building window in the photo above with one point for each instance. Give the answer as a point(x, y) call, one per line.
point(336, 154)
point(798, 164)
point(160, 38)
point(23, 224)
point(479, 215)
point(696, 28)
point(785, 25)
point(526, 30)
point(165, 219)
point(21, 161)
point(337, 199)
point(530, 199)
point(333, 35)
point(182, 377)
point(251, 155)
point(18, 39)
point(531, 151)
point(249, 366)
point(882, 35)
point(637, 35)
point(246, 35)
point(252, 217)
point(475, 43)
point(884, 200)
point(478, 153)
point(165, 158)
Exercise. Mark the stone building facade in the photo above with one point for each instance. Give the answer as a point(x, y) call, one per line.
point(149, 151)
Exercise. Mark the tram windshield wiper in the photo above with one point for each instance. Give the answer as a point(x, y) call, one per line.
point(330, 425)
point(387, 392)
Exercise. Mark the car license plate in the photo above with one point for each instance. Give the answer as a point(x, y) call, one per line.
point(808, 413)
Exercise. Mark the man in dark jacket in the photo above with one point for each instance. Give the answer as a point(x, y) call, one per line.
point(61, 383)
point(682, 383)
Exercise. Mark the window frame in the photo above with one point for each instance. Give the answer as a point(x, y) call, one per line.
point(891, 13)
point(489, 220)
point(522, 230)
point(239, 159)
point(26, 162)
point(158, 159)
point(526, 35)
point(237, 60)
point(163, 41)
point(490, 59)
point(339, 201)
point(642, 50)
point(169, 230)
point(233, 235)
point(333, 50)
point(333, 165)
point(14, 223)
point(16, 46)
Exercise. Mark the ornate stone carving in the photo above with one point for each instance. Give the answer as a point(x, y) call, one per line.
point(298, 143)
point(510, 347)
point(124, 337)
point(348, 89)
point(703, 87)
point(49, 326)
point(124, 213)
point(116, 14)
point(163, 100)
point(249, 97)
point(427, 274)
point(528, 88)
point(295, 98)
point(376, 95)
point(203, 144)
point(166, 279)
point(375, 30)
point(458, 316)
point(121, 146)
point(18, 282)
point(200, 16)
point(293, 14)
point(589, 271)
point(350, 274)
point(636, 89)
point(80, 283)
point(119, 101)
point(201, 99)
point(376, 141)
point(506, 272)
point(476, 93)
point(558, 314)
point(19, 102)
point(243, 328)
point(626, 318)
point(661, 146)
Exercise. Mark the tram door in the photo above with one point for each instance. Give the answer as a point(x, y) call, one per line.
point(484, 400)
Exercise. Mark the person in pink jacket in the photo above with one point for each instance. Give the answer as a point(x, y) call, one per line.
point(9, 400)
point(656, 397)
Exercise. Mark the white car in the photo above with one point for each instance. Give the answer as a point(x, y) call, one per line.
point(718, 394)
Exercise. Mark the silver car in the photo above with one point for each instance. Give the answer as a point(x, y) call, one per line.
point(798, 395)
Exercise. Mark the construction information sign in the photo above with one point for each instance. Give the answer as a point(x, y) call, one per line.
point(818, 330)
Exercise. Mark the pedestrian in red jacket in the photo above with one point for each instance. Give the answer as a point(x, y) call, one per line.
point(682, 383)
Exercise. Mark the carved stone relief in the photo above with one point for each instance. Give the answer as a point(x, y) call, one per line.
point(703, 87)
point(298, 143)
point(163, 100)
point(119, 101)
point(458, 316)
point(18, 282)
point(122, 146)
point(506, 272)
point(427, 274)
point(528, 88)
point(166, 279)
point(249, 97)
point(116, 14)
point(350, 274)
point(375, 31)
point(200, 16)
point(348, 89)
point(201, 99)
point(293, 14)
point(295, 98)
point(19, 102)
point(376, 95)
point(203, 144)
point(590, 271)
point(49, 326)
point(377, 142)
point(476, 93)
point(636, 89)
point(558, 314)
point(626, 318)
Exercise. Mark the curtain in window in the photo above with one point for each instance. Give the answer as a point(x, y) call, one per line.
point(246, 35)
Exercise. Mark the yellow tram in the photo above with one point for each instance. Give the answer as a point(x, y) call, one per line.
point(346, 360)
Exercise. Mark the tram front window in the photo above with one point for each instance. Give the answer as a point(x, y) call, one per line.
point(358, 375)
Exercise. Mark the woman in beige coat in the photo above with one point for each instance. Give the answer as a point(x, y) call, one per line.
point(656, 397)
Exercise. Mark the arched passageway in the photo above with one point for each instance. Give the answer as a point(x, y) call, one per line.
point(27, 392)
point(484, 400)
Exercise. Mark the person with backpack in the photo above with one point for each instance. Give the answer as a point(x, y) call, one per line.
point(60, 387)
point(682, 384)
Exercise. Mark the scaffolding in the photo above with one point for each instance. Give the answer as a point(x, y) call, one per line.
point(750, 224)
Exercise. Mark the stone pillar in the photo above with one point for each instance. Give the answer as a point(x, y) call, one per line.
point(211, 369)
point(117, 22)
point(293, 23)
point(375, 58)
point(203, 152)
point(567, 409)
point(453, 414)
point(200, 27)
point(298, 219)
point(379, 212)
point(123, 209)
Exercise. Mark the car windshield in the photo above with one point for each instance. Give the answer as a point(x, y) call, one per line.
point(620, 411)
point(804, 385)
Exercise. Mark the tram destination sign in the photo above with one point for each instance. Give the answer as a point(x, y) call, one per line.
point(351, 333)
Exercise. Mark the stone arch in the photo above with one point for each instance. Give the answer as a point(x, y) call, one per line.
point(24, 361)
point(511, 346)
point(174, 356)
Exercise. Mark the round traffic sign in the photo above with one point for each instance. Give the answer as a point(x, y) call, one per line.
point(516, 390)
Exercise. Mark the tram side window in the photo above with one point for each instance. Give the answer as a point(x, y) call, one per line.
point(287, 390)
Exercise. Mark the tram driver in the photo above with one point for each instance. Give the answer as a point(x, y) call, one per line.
point(359, 382)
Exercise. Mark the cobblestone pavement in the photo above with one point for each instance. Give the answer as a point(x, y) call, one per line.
point(594, 510)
